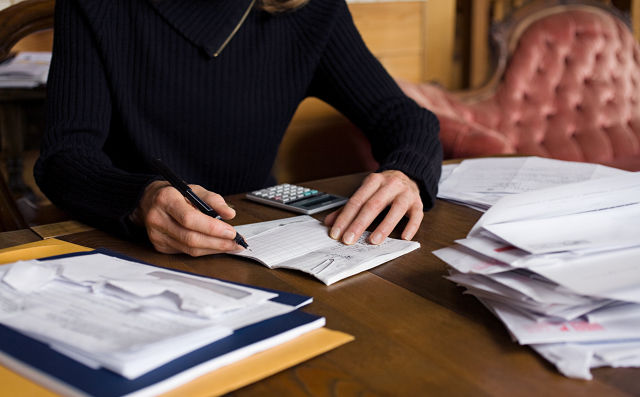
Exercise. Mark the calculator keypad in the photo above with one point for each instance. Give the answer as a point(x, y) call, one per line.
point(286, 193)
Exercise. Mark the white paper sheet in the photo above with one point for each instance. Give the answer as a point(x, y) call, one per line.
point(612, 274)
point(521, 174)
point(528, 331)
point(28, 276)
point(122, 315)
point(27, 69)
point(480, 183)
point(501, 252)
point(446, 171)
point(104, 327)
point(615, 227)
point(575, 359)
point(200, 295)
point(486, 288)
point(615, 312)
point(303, 243)
point(576, 198)
point(466, 261)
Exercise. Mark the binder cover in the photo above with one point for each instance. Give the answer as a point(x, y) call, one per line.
point(57, 372)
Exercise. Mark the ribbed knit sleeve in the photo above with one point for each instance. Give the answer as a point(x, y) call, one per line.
point(403, 136)
point(135, 79)
point(73, 170)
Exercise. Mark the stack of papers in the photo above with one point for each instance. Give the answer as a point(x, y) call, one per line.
point(480, 183)
point(25, 70)
point(560, 267)
point(127, 317)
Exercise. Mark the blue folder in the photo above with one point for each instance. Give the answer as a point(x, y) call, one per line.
point(39, 357)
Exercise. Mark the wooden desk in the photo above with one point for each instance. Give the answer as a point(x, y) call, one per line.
point(416, 333)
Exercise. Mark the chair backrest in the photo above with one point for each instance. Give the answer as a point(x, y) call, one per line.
point(17, 22)
point(565, 86)
point(23, 19)
point(570, 87)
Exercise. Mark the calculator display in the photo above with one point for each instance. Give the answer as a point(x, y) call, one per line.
point(315, 201)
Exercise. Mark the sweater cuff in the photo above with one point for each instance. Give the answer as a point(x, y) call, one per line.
point(129, 228)
point(425, 171)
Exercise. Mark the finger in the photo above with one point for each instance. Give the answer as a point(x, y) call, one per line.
point(198, 244)
point(175, 246)
point(368, 212)
point(215, 201)
point(398, 209)
point(415, 219)
point(161, 242)
point(171, 237)
point(330, 219)
point(187, 216)
point(349, 212)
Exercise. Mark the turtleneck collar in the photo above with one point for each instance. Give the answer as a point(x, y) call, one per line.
point(208, 24)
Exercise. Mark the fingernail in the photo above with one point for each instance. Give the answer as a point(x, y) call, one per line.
point(335, 233)
point(407, 235)
point(229, 234)
point(349, 238)
point(376, 238)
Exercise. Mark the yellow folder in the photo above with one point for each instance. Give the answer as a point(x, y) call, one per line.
point(39, 249)
point(220, 381)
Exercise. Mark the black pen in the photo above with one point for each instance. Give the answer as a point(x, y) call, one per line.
point(186, 191)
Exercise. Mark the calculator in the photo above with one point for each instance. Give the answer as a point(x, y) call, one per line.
point(295, 198)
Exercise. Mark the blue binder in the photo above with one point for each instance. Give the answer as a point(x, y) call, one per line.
point(73, 376)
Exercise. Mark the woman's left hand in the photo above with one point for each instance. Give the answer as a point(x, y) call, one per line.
point(378, 191)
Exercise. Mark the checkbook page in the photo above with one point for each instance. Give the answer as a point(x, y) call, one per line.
point(303, 243)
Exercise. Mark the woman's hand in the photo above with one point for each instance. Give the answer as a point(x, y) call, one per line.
point(377, 192)
point(174, 225)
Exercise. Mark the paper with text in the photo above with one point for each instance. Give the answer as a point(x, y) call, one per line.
point(121, 315)
point(575, 198)
point(303, 243)
point(480, 183)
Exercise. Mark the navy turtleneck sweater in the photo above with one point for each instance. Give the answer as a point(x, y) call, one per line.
point(211, 93)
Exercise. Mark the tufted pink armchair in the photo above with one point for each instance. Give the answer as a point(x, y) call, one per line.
point(566, 86)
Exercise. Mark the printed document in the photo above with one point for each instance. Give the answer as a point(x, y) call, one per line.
point(303, 243)
point(480, 183)
point(122, 315)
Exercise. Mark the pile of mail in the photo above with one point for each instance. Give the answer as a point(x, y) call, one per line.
point(480, 183)
point(25, 70)
point(561, 268)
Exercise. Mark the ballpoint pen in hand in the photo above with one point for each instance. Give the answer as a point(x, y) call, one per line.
point(186, 191)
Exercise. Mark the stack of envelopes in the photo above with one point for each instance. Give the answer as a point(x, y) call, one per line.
point(561, 268)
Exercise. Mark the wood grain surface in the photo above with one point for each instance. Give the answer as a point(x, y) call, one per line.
point(416, 333)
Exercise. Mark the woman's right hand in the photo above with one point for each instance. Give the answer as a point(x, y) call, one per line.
point(174, 225)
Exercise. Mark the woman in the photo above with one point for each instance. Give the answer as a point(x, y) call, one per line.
point(210, 86)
